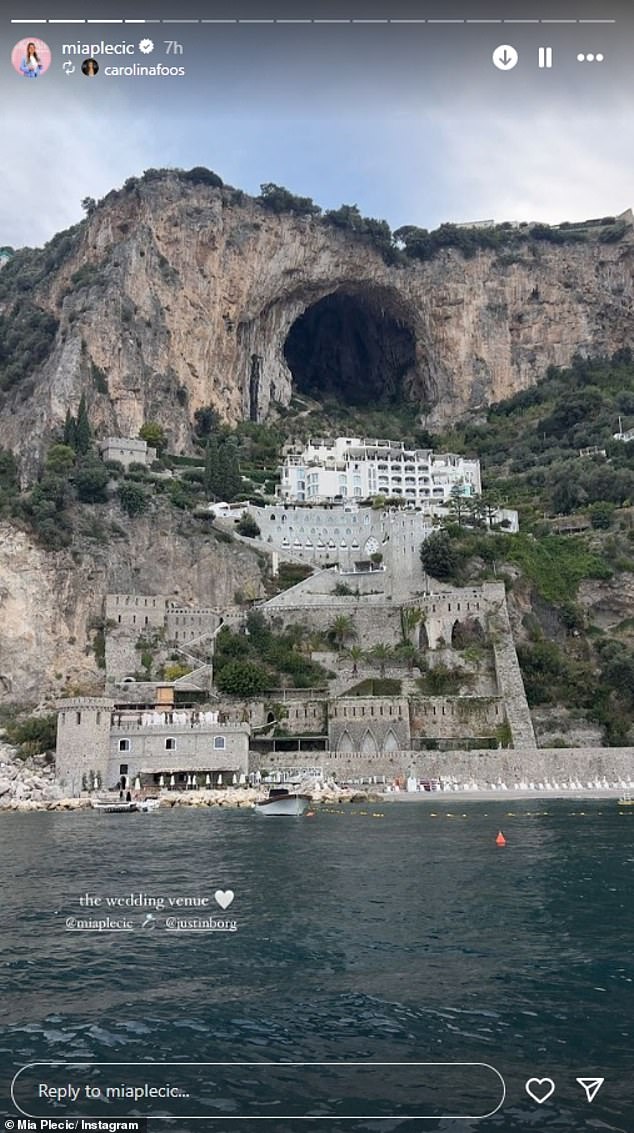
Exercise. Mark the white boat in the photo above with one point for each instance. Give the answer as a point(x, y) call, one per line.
point(283, 802)
point(118, 807)
point(147, 805)
point(626, 799)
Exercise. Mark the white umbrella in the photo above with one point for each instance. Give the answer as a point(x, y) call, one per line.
point(243, 779)
point(172, 781)
point(187, 781)
point(235, 779)
point(194, 781)
point(207, 780)
point(95, 783)
point(137, 784)
point(161, 781)
point(220, 780)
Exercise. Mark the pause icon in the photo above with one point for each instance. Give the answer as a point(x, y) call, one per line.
point(545, 56)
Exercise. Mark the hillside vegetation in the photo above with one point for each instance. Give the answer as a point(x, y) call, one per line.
point(532, 444)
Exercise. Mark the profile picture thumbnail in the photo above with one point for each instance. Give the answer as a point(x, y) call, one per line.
point(31, 58)
point(89, 68)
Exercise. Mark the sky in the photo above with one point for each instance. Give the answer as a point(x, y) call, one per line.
point(415, 126)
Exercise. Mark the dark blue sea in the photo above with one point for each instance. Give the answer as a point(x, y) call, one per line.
point(394, 933)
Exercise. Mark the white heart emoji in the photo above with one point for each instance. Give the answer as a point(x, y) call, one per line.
point(540, 1089)
point(224, 897)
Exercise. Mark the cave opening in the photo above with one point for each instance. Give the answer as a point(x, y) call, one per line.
point(355, 347)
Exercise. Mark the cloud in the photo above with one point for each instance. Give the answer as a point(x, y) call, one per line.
point(71, 153)
point(547, 167)
point(441, 163)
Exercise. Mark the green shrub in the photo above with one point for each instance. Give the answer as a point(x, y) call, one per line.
point(279, 200)
point(91, 481)
point(154, 436)
point(241, 678)
point(175, 671)
point(27, 335)
point(34, 735)
point(439, 555)
point(247, 526)
point(132, 497)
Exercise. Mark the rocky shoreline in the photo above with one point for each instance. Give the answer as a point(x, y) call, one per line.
point(229, 798)
point(29, 785)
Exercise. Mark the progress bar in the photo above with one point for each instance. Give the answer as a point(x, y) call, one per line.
point(312, 20)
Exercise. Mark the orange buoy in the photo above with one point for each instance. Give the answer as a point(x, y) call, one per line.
point(500, 840)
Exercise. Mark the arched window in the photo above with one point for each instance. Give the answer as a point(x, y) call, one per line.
point(345, 744)
point(368, 744)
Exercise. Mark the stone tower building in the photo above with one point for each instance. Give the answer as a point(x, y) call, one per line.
point(83, 742)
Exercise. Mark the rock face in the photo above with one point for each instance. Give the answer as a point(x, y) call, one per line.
point(172, 296)
point(26, 783)
point(51, 602)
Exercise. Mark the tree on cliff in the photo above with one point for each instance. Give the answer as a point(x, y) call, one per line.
point(241, 678)
point(222, 477)
point(60, 459)
point(83, 432)
point(279, 199)
point(206, 420)
point(200, 175)
point(9, 486)
point(438, 555)
point(77, 431)
point(247, 526)
point(70, 430)
point(154, 436)
point(91, 481)
point(132, 497)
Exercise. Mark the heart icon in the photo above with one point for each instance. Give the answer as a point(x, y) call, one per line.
point(224, 897)
point(540, 1089)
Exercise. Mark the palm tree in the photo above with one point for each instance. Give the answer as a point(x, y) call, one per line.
point(408, 652)
point(342, 630)
point(411, 616)
point(381, 654)
point(355, 653)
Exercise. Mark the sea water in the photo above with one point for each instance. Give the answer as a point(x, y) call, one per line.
point(385, 933)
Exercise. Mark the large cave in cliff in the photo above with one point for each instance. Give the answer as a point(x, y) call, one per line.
point(352, 345)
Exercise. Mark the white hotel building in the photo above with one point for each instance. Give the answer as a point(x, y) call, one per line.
point(356, 468)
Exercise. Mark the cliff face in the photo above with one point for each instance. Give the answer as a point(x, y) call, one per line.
point(186, 297)
point(51, 602)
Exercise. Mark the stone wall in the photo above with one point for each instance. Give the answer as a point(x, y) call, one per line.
point(375, 622)
point(510, 682)
point(136, 610)
point(443, 608)
point(368, 724)
point(486, 768)
point(123, 659)
point(319, 590)
point(185, 624)
point(306, 715)
point(346, 535)
point(456, 717)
